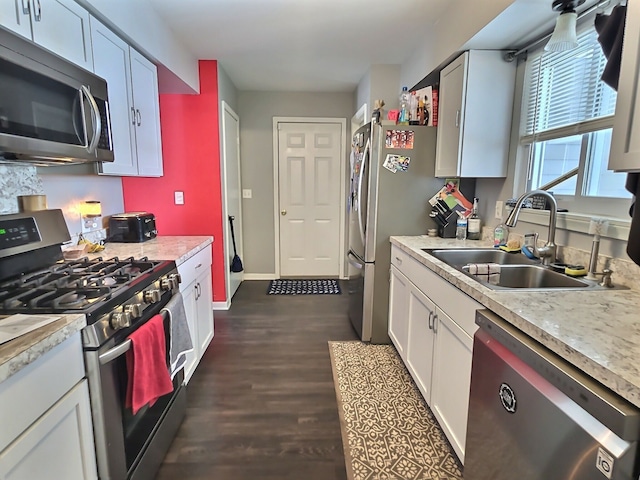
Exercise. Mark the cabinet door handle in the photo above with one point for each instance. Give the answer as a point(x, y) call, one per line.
point(399, 260)
point(430, 320)
point(38, 15)
point(198, 266)
point(197, 288)
point(25, 7)
point(133, 116)
point(138, 116)
point(457, 118)
point(435, 323)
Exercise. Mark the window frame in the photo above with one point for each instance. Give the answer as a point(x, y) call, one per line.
point(581, 208)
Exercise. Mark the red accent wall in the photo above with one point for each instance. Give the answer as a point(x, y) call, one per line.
point(191, 153)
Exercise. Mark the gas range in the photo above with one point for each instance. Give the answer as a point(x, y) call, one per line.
point(117, 296)
point(113, 293)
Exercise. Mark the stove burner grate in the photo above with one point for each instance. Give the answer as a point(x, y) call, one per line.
point(58, 299)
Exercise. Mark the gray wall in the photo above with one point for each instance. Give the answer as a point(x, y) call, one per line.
point(256, 111)
point(227, 91)
point(68, 191)
point(65, 188)
point(381, 82)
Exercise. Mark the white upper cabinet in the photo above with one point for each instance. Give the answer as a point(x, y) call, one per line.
point(15, 16)
point(61, 26)
point(144, 79)
point(133, 105)
point(625, 141)
point(474, 115)
point(111, 62)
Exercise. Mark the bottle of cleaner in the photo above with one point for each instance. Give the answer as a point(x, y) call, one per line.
point(500, 234)
point(474, 227)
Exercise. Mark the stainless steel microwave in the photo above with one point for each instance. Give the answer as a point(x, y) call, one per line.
point(51, 111)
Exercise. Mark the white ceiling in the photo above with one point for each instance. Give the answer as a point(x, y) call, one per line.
point(328, 45)
point(300, 45)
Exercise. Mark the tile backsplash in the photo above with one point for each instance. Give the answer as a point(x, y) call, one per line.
point(14, 181)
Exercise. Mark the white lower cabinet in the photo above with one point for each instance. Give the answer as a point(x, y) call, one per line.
point(46, 427)
point(420, 343)
point(198, 303)
point(437, 348)
point(58, 445)
point(398, 318)
point(451, 379)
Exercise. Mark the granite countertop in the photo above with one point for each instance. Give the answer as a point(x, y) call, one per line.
point(179, 248)
point(21, 351)
point(596, 330)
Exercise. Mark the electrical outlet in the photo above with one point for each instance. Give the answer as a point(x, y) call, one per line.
point(246, 193)
point(178, 198)
point(499, 208)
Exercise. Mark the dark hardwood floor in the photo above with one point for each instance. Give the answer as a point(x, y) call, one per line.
point(262, 405)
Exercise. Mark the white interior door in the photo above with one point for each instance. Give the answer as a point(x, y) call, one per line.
point(231, 195)
point(310, 180)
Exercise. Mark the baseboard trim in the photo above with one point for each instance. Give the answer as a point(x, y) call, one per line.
point(259, 276)
point(221, 305)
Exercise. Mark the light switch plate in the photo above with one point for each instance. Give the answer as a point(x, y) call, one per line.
point(246, 193)
point(178, 197)
point(499, 208)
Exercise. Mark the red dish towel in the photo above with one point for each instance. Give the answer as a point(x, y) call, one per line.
point(148, 376)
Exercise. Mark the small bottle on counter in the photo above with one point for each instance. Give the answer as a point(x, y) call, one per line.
point(461, 227)
point(500, 234)
point(475, 223)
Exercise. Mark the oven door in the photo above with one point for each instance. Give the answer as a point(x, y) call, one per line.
point(127, 445)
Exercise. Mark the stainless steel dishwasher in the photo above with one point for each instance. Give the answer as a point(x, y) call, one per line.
point(533, 416)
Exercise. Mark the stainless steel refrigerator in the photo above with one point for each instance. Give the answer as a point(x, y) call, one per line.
point(382, 203)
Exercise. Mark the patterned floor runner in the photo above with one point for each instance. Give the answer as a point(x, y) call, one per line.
point(304, 287)
point(388, 431)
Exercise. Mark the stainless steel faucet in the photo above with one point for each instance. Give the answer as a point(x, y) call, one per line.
point(548, 252)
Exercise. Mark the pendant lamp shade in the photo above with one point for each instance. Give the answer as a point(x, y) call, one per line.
point(564, 35)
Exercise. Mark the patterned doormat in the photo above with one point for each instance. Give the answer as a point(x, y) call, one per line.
point(304, 287)
point(388, 431)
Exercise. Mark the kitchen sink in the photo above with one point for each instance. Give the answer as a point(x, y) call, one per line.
point(517, 272)
point(530, 277)
point(464, 256)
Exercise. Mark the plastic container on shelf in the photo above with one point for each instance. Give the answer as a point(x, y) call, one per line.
point(403, 117)
point(414, 118)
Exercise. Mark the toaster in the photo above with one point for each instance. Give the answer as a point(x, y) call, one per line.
point(133, 227)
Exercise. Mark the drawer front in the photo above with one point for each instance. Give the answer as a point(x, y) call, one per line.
point(26, 395)
point(194, 266)
point(455, 303)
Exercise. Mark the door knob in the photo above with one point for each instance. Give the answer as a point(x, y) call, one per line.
point(283, 212)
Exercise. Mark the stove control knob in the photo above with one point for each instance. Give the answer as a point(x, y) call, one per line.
point(152, 296)
point(120, 320)
point(167, 283)
point(176, 278)
point(134, 309)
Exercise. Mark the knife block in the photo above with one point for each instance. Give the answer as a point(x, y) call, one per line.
point(447, 228)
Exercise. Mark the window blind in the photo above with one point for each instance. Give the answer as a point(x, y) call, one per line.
point(564, 88)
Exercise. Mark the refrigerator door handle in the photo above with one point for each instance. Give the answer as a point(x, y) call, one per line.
point(353, 260)
point(365, 156)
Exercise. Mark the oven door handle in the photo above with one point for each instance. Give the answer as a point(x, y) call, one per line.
point(115, 352)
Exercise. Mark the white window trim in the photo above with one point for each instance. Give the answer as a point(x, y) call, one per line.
point(570, 221)
point(577, 222)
